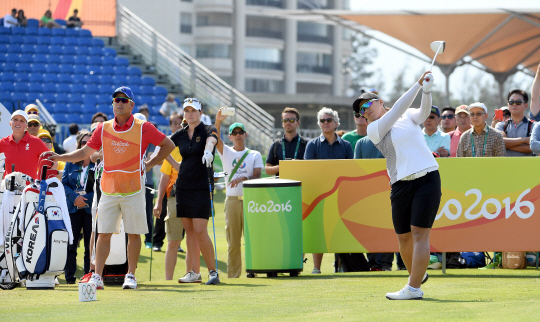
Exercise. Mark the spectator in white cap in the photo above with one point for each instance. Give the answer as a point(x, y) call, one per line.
point(481, 140)
point(20, 148)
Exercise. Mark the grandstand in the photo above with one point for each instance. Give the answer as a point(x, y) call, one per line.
point(72, 73)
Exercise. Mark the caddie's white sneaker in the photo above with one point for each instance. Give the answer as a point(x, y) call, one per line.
point(130, 282)
point(405, 294)
point(190, 277)
point(98, 280)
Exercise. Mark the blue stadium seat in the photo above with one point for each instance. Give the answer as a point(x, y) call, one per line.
point(23, 68)
point(71, 32)
point(81, 60)
point(44, 32)
point(5, 31)
point(62, 97)
point(80, 70)
point(148, 81)
point(40, 59)
point(120, 79)
point(26, 58)
point(104, 108)
point(85, 33)
point(91, 89)
point(96, 51)
point(121, 61)
point(20, 87)
point(108, 61)
point(37, 77)
point(76, 101)
point(73, 118)
point(4, 48)
point(121, 70)
point(54, 59)
point(86, 118)
point(57, 41)
point(22, 77)
point(67, 69)
point(77, 89)
point(69, 50)
point(16, 40)
point(79, 79)
point(7, 77)
point(8, 67)
point(34, 93)
point(90, 100)
point(32, 24)
point(4, 39)
point(15, 49)
point(70, 41)
point(7, 103)
point(19, 96)
point(106, 80)
point(30, 40)
point(4, 96)
point(134, 81)
point(109, 52)
point(95, 60)
point(41, 49)
point(51, 78)
point(85, 42)
point(3, 57)
point(7, 87)
point(43, 40)
point(60, 118)
point(61, 108)
point(61, 22)
point(63, 88)
point(58, 32)
point(92, 79)
point(19, 31)
point(94, 70)
point(65, 78)
point(49, 88)
point(160, 91)
point(83, 51)
point(28, 49)
point(29, 31)
point(108, 71)
point(53, 69)
point(39, 68)
point(67, 59)
point(96, 42)
point(105, 89)
point(56, 50)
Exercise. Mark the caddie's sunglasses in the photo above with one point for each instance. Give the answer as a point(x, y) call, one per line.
point(449, 116)
point(366, 105)
point(121, 100)
point(33, 124)
point(46, 140)
point(290, 120)
point(518, 103)
point(235, 133)
point(327, 120)
point(32, 112)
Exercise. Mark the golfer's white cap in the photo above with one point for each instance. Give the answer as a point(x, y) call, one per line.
point(21, 113)
point(193, 102)
point(478, 104)
point(140, 116)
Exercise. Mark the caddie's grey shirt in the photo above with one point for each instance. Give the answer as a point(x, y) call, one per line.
point(515, 131)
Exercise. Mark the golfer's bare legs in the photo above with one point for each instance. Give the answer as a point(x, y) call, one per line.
point(414, 248)
point(103, 248)
point(193, 251)
point(134, 251)
point(171, 256)
point(200, 226)
point(406, 249)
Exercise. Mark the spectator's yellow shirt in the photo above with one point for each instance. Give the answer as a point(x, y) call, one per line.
point(167, 169)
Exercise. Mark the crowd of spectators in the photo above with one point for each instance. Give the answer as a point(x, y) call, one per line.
point(17, 19)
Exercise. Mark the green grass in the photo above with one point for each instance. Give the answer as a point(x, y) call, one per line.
point(460, 294)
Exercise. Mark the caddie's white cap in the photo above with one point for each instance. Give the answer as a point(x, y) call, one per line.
point(140, 116)
point(193, 102)
point(478, 104)
point(21, 113)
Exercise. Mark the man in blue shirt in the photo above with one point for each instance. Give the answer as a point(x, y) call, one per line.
point(327, 146)
point(437, 141)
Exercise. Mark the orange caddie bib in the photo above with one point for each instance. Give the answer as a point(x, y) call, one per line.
point(122, 159)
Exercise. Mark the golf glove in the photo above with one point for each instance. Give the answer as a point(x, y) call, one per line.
point(207, 158)
point(428, 82)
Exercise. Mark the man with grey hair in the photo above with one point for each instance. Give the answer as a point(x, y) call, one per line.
point(327, 146)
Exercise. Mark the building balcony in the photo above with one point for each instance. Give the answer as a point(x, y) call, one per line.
point(186, 29)
point(263, 33)
point(255, 64)
point(214, 5)
point(214, 32)
point(265, 3)
point(313, 69)
point(314, 38)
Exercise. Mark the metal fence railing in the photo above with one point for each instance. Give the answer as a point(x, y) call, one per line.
point(195, 79)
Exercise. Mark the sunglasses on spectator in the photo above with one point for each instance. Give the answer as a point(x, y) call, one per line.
point(32, 112)
point(432, 117)
point(235, 133)
point(518, 103)
point(33, 124)
point(449, 116)
point(366, 105)
point(290, 120)
point(357, 115)
point(121, 100)
point(46, 140)
point(327, 120)
point(477, 114)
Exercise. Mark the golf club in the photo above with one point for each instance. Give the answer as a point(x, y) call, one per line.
point(438, 48)
point(214, 280)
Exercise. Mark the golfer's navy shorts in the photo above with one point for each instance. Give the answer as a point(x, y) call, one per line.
point(415, 202)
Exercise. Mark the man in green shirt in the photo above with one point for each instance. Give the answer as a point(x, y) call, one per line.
point(360, 132)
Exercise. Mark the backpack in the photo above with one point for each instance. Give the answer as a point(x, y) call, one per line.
point(350, 262)
point(277, 142)
point(529, 123)
point(514, 260)
point(474, 259)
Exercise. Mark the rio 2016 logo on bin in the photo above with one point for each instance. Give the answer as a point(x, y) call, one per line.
point(269, 206)
point(89, 291)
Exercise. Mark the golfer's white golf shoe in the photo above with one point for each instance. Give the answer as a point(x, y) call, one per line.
point(405, 294)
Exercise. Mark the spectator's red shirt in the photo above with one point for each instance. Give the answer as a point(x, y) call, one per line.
point(150, 134)
point(24, 155)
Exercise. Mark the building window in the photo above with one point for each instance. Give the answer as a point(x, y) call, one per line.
point(266, 3)
point(313, 32)
point(186, 24)
point(254, 85)
point(313, 4)
point(263, 58)
point(214, 19)
point(213, 51)
point(313, 63)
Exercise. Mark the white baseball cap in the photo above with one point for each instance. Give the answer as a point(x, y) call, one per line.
point(478, 104)
point(140, 116)
point(21, 113)
point(193, 102)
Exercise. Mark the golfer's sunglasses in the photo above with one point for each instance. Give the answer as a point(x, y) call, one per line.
point(366, 105)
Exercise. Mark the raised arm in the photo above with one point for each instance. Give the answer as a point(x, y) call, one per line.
point(535, 93)
point(219, 118)
point(419, 116)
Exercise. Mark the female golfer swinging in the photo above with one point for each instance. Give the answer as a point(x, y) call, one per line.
point(414, 176)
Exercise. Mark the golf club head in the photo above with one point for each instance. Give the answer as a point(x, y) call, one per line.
point(436, 46)
point(213, 280)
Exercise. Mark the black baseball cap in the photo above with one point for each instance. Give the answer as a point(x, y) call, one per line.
point(362, 99)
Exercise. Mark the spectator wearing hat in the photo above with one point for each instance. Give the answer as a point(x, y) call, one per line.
point(20, 148)
point(33, 125)
point(241, 164)
point(170, 106)
point(290, 146)
point(361, 128)
point(481, 140)
point(448, 119)
point(124, 140)
point(70, 143)
point(10, 20)
point(463, 124)
point(327, 146)
point(517, 130)
point(535, 94)
point(47, 139)
point(437, 141)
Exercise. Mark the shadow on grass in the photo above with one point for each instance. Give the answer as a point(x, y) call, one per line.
point(367, 275)
point(456, 301)
point(143, 259)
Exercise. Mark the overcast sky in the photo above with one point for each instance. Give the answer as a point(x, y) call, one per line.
point(390, 61)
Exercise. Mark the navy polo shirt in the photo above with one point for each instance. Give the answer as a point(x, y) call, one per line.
point(319, 148)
